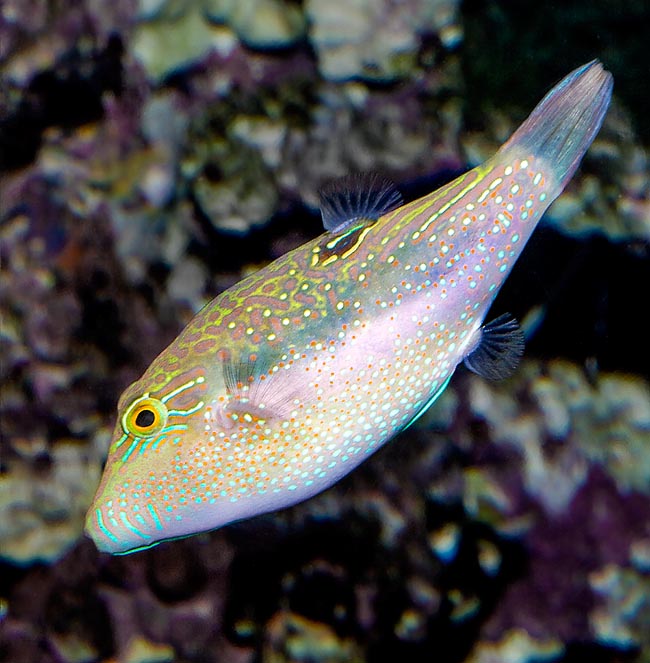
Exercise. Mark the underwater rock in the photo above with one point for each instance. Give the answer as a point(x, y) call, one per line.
point(167, 45)
point(389, 134)
point(48, 327)
point(597, 529)
point(176, 602)
point(187, 282)
point(144, 237)
point(573, 424)
point(36, 36)
point(622, 615)
point(164, 124)
point(262, 24)
point(149, 10)
point(42, 513)
point(516, 646)
point(290, 638)
point(21, 20)
point(368, 44)
point(377, 41)
point(141, 650)
point(174, 35)
point(72, 649)
point(235, 190)
point(263, 134)
point(237, 205)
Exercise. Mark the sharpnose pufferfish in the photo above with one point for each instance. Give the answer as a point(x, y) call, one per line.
point(287, 381)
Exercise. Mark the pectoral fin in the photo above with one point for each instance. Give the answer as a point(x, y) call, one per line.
point(255, 389)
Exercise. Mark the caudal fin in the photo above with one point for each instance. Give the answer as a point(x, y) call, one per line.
point(565, 122)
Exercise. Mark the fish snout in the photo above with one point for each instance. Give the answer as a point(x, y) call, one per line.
point(115, 530)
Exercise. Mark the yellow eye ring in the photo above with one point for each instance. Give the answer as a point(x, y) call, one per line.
point(145, 417)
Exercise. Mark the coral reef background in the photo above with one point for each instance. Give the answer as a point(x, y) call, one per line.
point(153, 152)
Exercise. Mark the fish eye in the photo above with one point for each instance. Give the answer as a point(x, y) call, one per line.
point(146, 416)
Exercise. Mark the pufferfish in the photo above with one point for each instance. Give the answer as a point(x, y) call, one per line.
point(287, 381)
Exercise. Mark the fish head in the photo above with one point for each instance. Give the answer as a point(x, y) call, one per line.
point(147, 480)
point(195, 449)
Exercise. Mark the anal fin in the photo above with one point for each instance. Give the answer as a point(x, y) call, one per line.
point(499, 350)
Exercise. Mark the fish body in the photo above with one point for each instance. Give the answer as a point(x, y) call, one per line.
point(288, 380)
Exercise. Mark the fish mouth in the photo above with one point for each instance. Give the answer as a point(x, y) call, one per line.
point(116, 531)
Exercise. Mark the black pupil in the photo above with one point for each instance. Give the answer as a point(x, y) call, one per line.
point(145, 418)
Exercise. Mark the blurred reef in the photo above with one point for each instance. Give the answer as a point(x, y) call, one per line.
point(153, 152)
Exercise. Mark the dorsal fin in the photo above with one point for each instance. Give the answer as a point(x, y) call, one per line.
point(360, 196)
point(499, 349)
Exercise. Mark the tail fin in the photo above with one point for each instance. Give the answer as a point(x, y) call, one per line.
point(564, 123)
